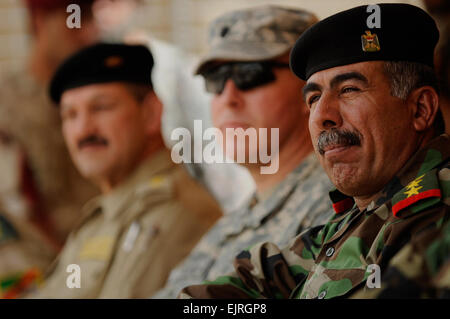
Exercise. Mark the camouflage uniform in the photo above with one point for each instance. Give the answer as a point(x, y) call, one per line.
point(420, 270)
point(331, 260)
point(27, 115)
point(296, 203)
point(131, 238)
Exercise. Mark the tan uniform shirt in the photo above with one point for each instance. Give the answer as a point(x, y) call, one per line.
point(131, 238)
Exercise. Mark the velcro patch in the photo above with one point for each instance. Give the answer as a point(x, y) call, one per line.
point(97, 248)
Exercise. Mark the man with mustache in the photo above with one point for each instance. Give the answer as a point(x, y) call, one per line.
point(375, 125)
point(150, 212)
point(247, 72)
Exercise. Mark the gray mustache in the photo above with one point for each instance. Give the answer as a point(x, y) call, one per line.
point(337, 137)
point(92, 140)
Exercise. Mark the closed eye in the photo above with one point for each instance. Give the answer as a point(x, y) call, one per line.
point(103, 107)
point(349, 89)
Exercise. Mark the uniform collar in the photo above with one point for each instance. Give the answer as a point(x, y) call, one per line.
point(149, 170)
point(425, 159)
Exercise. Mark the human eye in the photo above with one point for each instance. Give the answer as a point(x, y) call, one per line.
point(313, 98)
point(349, 89)
point(103, 106)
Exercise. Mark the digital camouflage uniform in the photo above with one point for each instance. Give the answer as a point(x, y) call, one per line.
point(296, 203)
point(331, 261)
point(131, 238)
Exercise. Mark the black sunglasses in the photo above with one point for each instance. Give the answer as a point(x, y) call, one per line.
point(245, 75)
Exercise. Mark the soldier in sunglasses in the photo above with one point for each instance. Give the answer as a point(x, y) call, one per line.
point(247, 72)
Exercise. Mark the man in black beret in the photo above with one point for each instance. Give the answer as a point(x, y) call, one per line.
point(375, 129)
point(150, 212)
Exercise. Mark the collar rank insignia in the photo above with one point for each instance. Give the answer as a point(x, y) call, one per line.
point(424, 189)
point(341, 202)
point(370, 42)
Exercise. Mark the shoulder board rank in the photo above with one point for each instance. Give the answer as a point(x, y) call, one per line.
point(419, 194)
point(157, 182)
point(7, 230)
point(156, 188)
point(341, 202)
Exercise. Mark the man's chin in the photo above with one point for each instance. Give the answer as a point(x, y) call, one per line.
point(92, 171)
point(346, 178)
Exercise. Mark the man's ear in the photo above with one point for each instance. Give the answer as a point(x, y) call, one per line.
point(152, 112)
point(425, 104)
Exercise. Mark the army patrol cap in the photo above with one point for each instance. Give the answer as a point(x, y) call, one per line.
point(255, 34)
point(102, 63)
point(391, 32)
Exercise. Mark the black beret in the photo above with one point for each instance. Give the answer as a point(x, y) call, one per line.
point(101, 63)
point(404, 33)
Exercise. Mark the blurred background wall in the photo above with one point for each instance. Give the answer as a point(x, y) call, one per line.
point(179, 22)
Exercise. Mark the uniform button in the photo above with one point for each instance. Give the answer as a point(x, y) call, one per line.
point(329, 252)
point(322, 294)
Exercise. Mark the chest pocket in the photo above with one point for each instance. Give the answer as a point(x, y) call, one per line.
point(94, 258)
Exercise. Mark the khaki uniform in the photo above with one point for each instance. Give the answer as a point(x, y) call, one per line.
point(27, 115)
point(130, 239)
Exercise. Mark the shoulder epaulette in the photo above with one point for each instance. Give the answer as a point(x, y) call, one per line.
point(422, 192)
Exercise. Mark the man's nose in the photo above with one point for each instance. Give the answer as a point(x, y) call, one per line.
point(326, 113)
point(85, 125)
point(231, 96)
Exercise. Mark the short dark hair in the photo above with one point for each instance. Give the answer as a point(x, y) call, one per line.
point(405, 76)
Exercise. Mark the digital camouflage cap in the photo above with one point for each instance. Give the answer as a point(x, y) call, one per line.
point(255, 34)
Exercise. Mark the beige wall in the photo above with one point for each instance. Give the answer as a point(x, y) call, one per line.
point(181, 22)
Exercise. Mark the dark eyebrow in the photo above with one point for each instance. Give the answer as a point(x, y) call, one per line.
point(348, 76)
point(310, 87)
